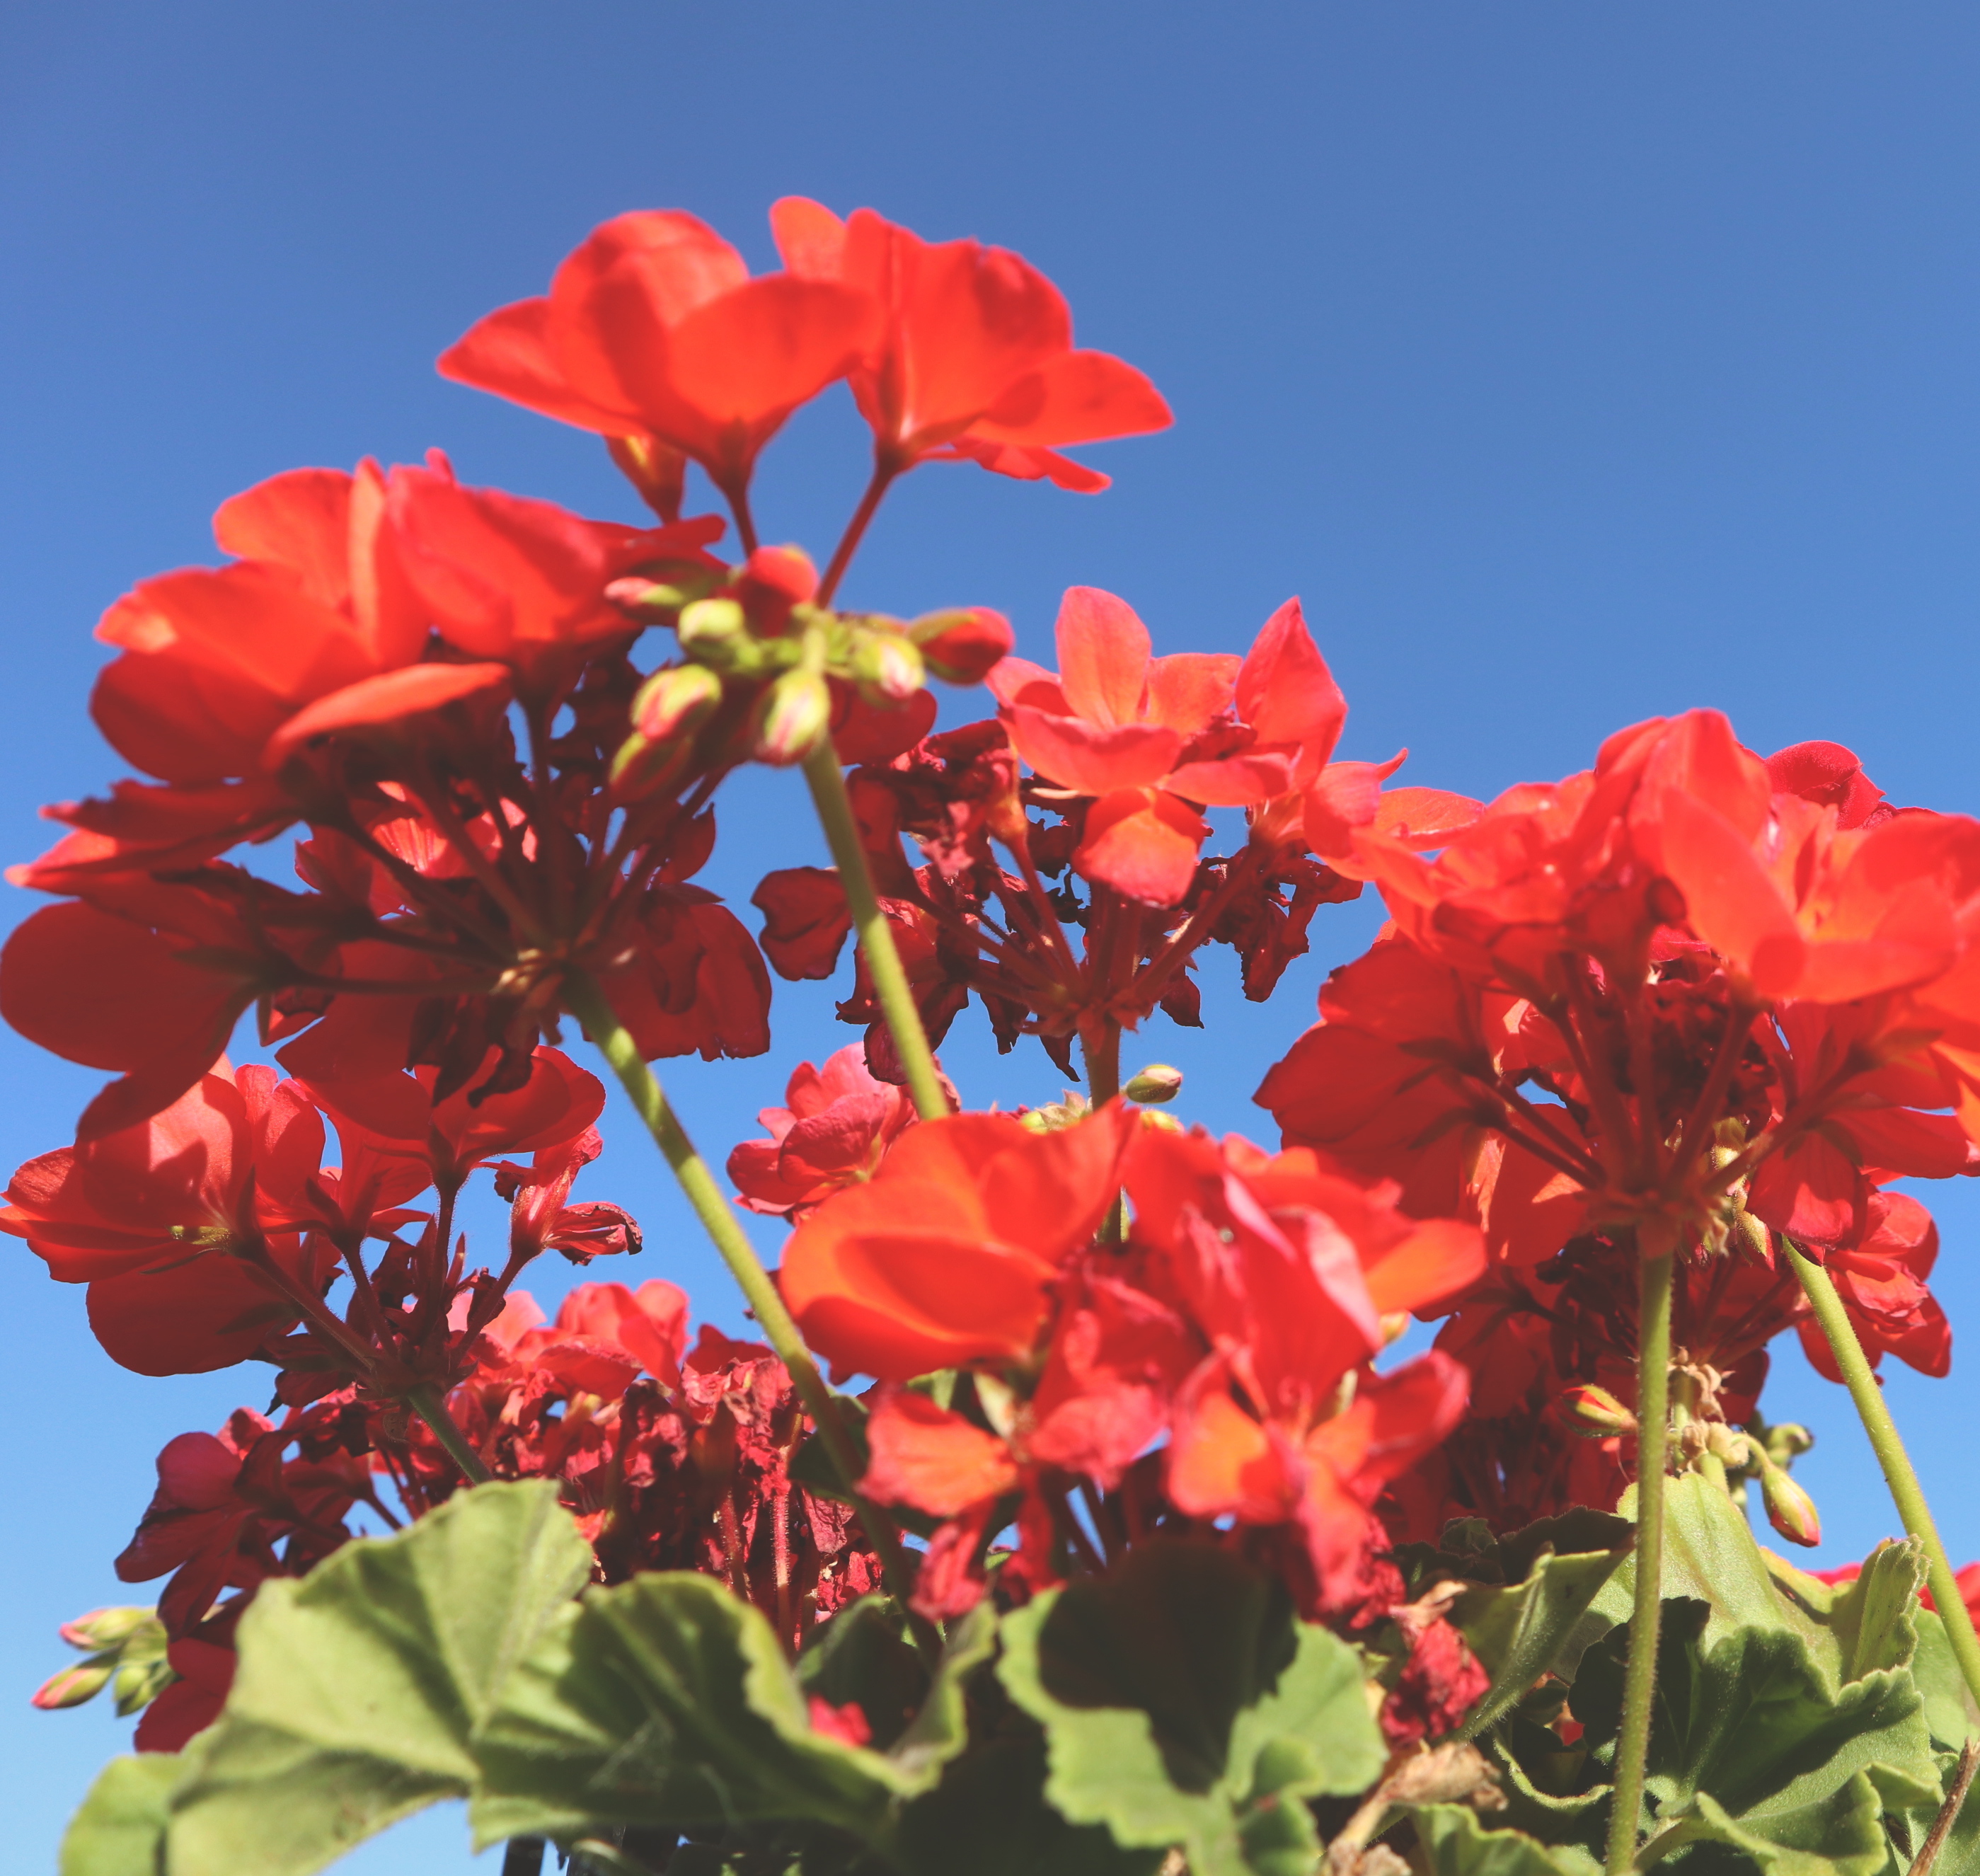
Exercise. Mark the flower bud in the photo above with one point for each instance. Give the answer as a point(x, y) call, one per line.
point(710, 626)
point(1162, 1123)
point(106, 1627)
point(140, 1682)
point(1157, 1083)
point(674, 702)
point(651, 601)
point(73, 1685)
point(787, 572)
point(794, 713)
point(1596, 1412)
point(962, 645)
point(1790, 1510)
point(887, 669)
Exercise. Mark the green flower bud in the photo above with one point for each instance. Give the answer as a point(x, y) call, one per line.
point(107, 1628)
point(795, 712)
point(710, 627)
point(675, 701)
point(1790, 1510)
point(1157, 1083)
point(140, 1682)
point(887, 669)
point(72, 1686)
point(1596, 1412)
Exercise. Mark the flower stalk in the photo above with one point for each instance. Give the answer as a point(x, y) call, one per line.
point(1906, 1492)
point(876, 942)
point(1653, 1342)
point(587, 1002)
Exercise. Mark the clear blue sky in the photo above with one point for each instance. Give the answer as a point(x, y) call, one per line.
point(1575, 362)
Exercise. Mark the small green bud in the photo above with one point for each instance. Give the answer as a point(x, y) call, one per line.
point(1157, 1083)
point(708, 627)
point(72, 1686)
point(1790, 1510)
point(887, 669)
point(108, 1628)
point(794, 713)
point(1596, 1412)
point(675, 701)
point(140, 1682)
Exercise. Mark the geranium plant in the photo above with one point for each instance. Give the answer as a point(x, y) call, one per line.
point(1117, 1539)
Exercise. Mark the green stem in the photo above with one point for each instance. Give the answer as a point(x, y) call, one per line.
point(425, 1401)
point(588, 1003)
point(1101, 1048)
point(876, 941)
point(1639, 1677)
point(1908, 1496)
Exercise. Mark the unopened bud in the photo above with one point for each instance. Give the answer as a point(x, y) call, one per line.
point(1597, 1413)
point(1790, 1510)
point(106, 1627)
point(887, 669)
point(140, 1682)
point(651, 601)
point(709, 626)
point(1786, 1441)
point(963, 645)
point(675, 700)
point(1161, 1123)
point(786, 572)
point(794, 713)
point(73, 1685)
point(1157, 1083)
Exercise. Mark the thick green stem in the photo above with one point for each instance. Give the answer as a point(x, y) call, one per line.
point(1861, 1378)
point(585, 1000)
point(876, 941)
point(1101, 1047)
point(425, 1401)
point(1639, 1677)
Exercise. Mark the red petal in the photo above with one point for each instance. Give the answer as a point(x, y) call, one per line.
point(1144, 844)
point(1103, 656)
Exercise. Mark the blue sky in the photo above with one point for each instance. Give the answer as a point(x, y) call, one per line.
point(1575, 364)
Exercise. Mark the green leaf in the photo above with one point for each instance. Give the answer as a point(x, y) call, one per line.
point(1949, 1708)
point(1182, 1704)
point(1840, 1834)
point(667, 1700)
point(1456, 1844)
point(1519, 1632)
point(1749, 1735)
point(120, 1829)
point(989, 1817)
point(360, 1686)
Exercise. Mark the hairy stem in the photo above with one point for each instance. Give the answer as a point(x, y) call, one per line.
point(1101, 1045)
point(1908, 1496)
point(585, 1000)
point(876, 941)
point(425, 1400)
point(1640, 1678)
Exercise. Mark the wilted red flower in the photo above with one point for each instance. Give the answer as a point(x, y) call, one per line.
point(834, 1125)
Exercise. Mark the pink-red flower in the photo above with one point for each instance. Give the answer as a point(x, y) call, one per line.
point(836, 1125)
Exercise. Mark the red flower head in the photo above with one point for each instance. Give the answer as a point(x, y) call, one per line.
point(1881, 1281)
point(1288, 1270)
point(948, 1256)
point(835, 1127)
point(541, 1216)
point(974, 357)
point(167, 1221)
point(1153, 739)
point(652, 331)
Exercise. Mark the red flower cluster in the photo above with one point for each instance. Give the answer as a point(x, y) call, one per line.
point(1689, 999)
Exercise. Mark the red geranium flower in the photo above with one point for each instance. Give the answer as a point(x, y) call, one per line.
point(948, 1255)
point(974, 356)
